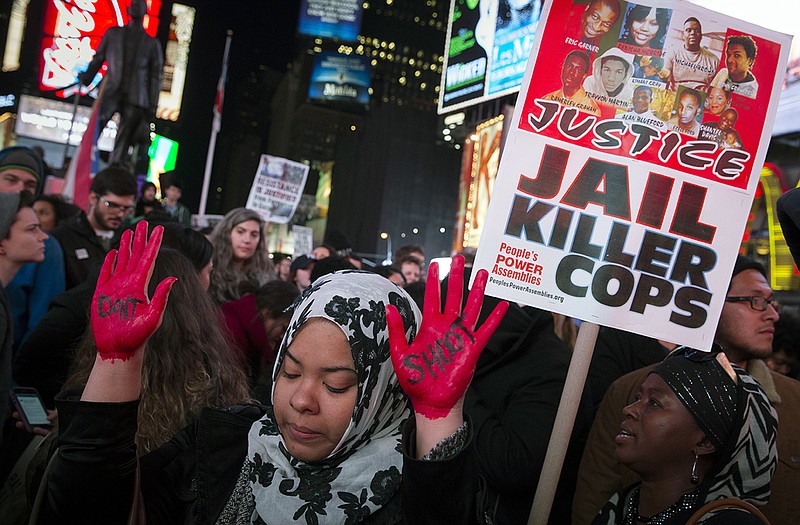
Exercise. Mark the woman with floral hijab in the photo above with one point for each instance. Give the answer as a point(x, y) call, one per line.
point(698, 430)
point(283, 486)
point(338, 446)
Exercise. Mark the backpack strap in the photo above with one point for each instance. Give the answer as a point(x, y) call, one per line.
point(726, 503)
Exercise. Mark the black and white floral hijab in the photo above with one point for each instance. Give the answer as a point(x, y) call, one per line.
point(364, 470)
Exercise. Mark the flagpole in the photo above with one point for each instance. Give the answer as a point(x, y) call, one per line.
point(81, 169)
point(215, 127)
point(75, 100)
point(71, 125)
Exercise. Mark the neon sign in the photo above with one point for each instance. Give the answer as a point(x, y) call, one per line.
point(71, 33)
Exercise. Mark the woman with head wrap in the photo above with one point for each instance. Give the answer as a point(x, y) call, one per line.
point(697, 431)
point(286, 448)
point(338, 445)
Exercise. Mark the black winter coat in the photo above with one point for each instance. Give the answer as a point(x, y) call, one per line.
point(513, 401)
point(44, 360)
point(81, 248)
point(190, 478)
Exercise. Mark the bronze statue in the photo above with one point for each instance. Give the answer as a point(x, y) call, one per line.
point(132, 82)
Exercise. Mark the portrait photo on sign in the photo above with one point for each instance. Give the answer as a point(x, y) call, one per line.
point(687, 112)
point(574, 71)
point(723, 131)
point(593, 24)
point(644, 29)
point(649, 69)
point(644, 101)
point(693, 52)
point(609, 81)
point(739, 72)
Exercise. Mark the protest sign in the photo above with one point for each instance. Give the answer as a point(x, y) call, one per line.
point(303, 240)
point(277, 188)
point(630, 165)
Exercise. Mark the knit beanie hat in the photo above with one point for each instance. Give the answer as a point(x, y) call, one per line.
point(24, 159)
point(9, 205)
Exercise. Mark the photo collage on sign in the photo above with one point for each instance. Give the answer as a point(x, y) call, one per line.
point(662, 68)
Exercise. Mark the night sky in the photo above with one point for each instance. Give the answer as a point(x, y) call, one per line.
point(262, 48)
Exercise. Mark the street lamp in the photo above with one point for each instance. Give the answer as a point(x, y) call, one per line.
point(388, 238)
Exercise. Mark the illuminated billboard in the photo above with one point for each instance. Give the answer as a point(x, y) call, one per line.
point(479, 170)
point(487, 48)
point(163, 154)
point(52, 120)
point(330, 18)
point(181, 26)
point(16, 28)
point(71, 32)
point(340, 78)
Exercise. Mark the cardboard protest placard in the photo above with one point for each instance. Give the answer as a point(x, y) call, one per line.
point(303, 240)
point(630, 165)
point(277, 188)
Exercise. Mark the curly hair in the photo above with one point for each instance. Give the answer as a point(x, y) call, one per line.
point(188, 363)
point(62, 209)
point(227, 278)
point(748, 44)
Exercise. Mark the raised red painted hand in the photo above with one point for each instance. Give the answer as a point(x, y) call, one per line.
point(436, 369)
point(123, 318)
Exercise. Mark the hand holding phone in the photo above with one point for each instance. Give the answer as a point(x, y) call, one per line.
point(30, 408)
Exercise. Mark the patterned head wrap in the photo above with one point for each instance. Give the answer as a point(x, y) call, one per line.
point(705, 388)
point(749, 459)
point(735, 413)
point(364, 470)
point(747, 456)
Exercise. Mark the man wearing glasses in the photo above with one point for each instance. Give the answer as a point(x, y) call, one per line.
point(745, 332)
point(747, 324)
point(86, 238)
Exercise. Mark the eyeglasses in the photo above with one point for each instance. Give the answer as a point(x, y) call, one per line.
point(113, 206)
point(757, 302)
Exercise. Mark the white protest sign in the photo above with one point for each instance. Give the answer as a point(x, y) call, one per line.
point(630, 166)
point(303, 240)
point(277, 188)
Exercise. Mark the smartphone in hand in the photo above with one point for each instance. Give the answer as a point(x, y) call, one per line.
point(30, 407)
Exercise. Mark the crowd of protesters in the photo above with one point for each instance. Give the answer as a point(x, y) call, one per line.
point(201, 379)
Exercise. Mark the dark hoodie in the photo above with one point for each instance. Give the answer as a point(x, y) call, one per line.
point(512, 401)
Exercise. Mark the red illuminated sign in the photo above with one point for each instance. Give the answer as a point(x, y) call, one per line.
point(71, 33)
